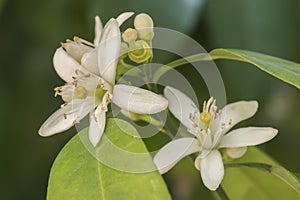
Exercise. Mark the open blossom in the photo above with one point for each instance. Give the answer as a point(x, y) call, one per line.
point(89, 70)
point(209, 129)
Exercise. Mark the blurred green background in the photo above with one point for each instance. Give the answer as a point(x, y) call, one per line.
point(31, 30)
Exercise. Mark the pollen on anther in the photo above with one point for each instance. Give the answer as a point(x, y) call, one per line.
point(57, 91)
point(74, 122)
point(63, 45)
point(76, 38)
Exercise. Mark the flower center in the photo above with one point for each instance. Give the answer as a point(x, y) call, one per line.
point(206, 118)
point(208, 112)
point(80, 92)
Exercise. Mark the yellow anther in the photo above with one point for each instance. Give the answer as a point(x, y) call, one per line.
point(80, 92)
point(57, 91)
point(129, 35)
point(76, 39)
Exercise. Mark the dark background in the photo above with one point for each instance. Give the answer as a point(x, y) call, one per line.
point(31, 30)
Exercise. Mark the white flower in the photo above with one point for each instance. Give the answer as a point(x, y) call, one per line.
point(90, 70)
point(209, 129)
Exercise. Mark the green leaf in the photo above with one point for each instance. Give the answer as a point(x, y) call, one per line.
point(78, 174)
point(285, 70)
point(278, 171)
point(247, 182)
point(298, 176)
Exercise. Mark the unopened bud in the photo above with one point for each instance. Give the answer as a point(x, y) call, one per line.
point(236, 152)
point(140, 52)
point(129, 35)
point(144, 25)
point(197, 162)
point(124, 50)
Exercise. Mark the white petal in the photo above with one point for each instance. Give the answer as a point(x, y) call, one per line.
point(109, 51)
point(98, 30)
point(180, 106)
point(232, 114)
point(248, 137)
point(90, 61)
point(212, 170)
point(65, 117)
point(65, 65)
point(97, 125)
point(77, 48)
point(174, 151)
point(123, 17)
point(239, 111)
point(138, 100)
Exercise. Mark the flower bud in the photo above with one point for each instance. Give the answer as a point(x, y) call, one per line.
point(144, 26)
point(236, 152)
point(197, 162)
point(130, 35)
point(124, 50)
point(140, 51)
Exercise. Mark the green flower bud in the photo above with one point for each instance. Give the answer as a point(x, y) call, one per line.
point(124, 50)
point(140, 51)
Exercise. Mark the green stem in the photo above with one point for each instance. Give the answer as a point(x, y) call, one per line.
point(221, 193)
point(182, 61)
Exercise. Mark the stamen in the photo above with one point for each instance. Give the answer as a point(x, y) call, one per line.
point(57, 91)
point(74, 122)
point(76, 39)
point(63, 46)
point(65, 116)
point(204, 106)
point(209, 104)
point(212, 107)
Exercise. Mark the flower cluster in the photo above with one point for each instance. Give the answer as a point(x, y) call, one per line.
point(89, 70)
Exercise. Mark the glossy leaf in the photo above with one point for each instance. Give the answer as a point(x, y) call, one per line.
point(259, 181)
point(77, 174)
point(285, 70)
